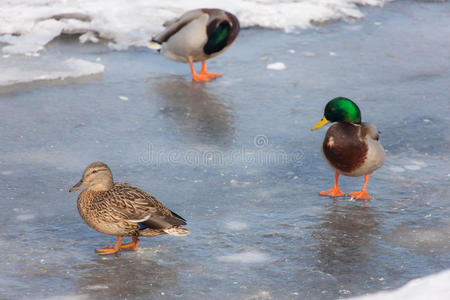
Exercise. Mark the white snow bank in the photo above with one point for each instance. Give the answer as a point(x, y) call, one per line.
point(28, 25)
point(433, 287)
point(32, 69)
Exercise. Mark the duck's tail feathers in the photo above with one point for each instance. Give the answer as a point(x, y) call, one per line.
point(178, 231)
point(154, 45)
point(150, 232)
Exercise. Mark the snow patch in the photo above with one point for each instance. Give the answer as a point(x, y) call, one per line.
point(413, 167)
point(240, 184)
point(248, 257)
point(276, 66)
point(25, 217)
point(67, 297)
point(432, 287)
point(33, 69)
point(236, 225)
point(396, 169)
point(97, 287)
point(28, 25)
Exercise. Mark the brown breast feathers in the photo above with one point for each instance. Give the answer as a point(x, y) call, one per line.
point(343, 147)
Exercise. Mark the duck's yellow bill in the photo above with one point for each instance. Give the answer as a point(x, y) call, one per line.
point(321, 123)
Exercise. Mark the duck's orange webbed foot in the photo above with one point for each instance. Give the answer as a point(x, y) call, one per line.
point(335, 191)
point(360, 195)
point(133, 246)
point(210, 75)
point(110, 249)
point(200, 78)
point(106, 251)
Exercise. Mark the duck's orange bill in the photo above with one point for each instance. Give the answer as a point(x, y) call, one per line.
point(81, 184)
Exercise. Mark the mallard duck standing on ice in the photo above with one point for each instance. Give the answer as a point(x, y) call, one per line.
point(197, 36)
point(350, 147)
point(120, 209)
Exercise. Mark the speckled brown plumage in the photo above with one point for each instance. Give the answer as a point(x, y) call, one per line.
point(343, 147)
point(118, 210)
point(121, 209)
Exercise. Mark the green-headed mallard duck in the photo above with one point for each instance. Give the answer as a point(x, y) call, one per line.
point(197, 36)
point(120, 209)
point(350, 147)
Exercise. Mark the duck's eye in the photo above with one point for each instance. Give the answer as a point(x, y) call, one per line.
point(94, 171)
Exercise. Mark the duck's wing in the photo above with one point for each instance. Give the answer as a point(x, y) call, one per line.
point(175, 25)
point(369, 130)
point(138, 206)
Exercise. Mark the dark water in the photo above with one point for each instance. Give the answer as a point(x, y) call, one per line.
point(237, 159)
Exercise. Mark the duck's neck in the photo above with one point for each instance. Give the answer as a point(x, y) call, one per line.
point(102, 187)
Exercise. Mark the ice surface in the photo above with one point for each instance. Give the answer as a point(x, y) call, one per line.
point(236, 158)
point(28, 25)
point(432, 287)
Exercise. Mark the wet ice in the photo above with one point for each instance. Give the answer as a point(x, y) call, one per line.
point(258, 227)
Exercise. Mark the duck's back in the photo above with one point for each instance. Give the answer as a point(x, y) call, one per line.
point(139, 205)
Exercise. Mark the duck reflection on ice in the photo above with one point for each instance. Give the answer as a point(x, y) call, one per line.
point(124, 277)
point(196, 112)
point(347, 240)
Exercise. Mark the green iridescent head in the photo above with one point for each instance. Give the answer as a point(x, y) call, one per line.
point(218, 37)
point(340, 109)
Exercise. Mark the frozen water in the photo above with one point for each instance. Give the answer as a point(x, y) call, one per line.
point(28, 25)
point(237, 159)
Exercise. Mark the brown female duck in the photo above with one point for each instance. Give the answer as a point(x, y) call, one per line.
point(120, 209)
